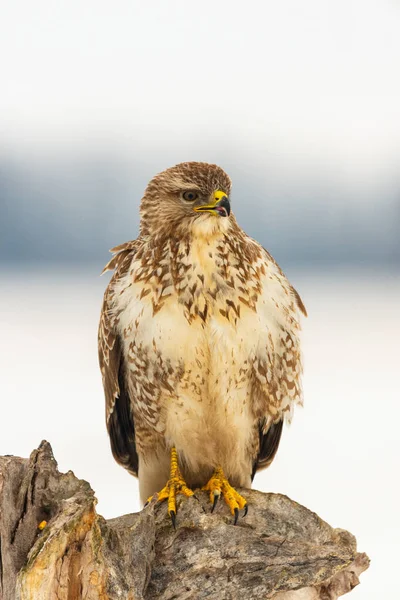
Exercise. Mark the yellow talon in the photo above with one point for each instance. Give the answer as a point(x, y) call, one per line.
point(175, 485)
point(218, 485)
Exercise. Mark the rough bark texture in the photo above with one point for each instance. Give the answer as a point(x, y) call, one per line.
point(280, 550)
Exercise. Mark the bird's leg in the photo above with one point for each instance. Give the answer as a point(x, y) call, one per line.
point(175, 485)
point(218, 485)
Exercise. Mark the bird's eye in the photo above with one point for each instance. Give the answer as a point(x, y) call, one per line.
point(190, 196)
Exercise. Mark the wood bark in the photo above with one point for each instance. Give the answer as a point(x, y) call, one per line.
point(281, 550)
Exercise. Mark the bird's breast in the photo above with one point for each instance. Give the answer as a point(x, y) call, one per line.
point(206, 310)
point(192, 332)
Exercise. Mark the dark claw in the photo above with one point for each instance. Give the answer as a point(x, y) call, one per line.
point(172, 514)
point(216, 498)
point(146, 504)
point(195, 497)
point(236, 516)
point(246, 510)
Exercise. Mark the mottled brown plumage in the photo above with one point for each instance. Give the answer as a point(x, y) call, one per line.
point(198, 340)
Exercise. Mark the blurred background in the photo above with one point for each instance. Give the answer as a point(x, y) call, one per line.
point(299, 103)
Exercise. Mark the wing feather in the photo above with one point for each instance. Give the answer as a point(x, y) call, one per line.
point(295, 293)
point(283, 386)
point(119, 417)
point(269, 443)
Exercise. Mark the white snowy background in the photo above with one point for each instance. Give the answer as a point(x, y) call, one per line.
point(299, 101)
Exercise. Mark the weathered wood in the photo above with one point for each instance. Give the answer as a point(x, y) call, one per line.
point(281, 550)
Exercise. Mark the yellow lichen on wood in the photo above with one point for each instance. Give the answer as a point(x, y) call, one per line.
point(58, 558)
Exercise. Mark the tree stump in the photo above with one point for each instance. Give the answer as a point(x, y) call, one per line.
point(281, 550)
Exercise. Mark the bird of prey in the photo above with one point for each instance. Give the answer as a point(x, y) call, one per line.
point(198, 344)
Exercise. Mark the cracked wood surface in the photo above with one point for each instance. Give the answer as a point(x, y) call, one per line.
point(281, 550)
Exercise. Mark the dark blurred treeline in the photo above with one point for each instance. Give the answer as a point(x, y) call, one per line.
point(72, 210)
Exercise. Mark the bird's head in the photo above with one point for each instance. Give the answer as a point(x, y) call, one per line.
point(190, 197)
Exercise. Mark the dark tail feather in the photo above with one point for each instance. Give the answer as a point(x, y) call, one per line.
point(121, 428)
point(269, 443)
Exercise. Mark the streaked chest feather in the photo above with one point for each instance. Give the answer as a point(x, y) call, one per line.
point(203, 304)
point(194, 325)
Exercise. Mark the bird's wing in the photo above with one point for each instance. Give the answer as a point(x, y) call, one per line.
point(283, 384)
point(295, 293)
point(119, 417)
point(269, 443)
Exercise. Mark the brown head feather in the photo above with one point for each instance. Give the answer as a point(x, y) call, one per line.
point(162, 207)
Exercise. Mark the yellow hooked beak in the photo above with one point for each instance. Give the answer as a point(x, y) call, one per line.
point(220, 205)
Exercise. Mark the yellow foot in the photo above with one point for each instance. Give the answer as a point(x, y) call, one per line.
point(218, 485)
point(174, 486)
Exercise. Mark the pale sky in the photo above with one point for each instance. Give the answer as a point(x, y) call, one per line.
point(310, 80)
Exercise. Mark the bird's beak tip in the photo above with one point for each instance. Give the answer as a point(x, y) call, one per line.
point(220, 206)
